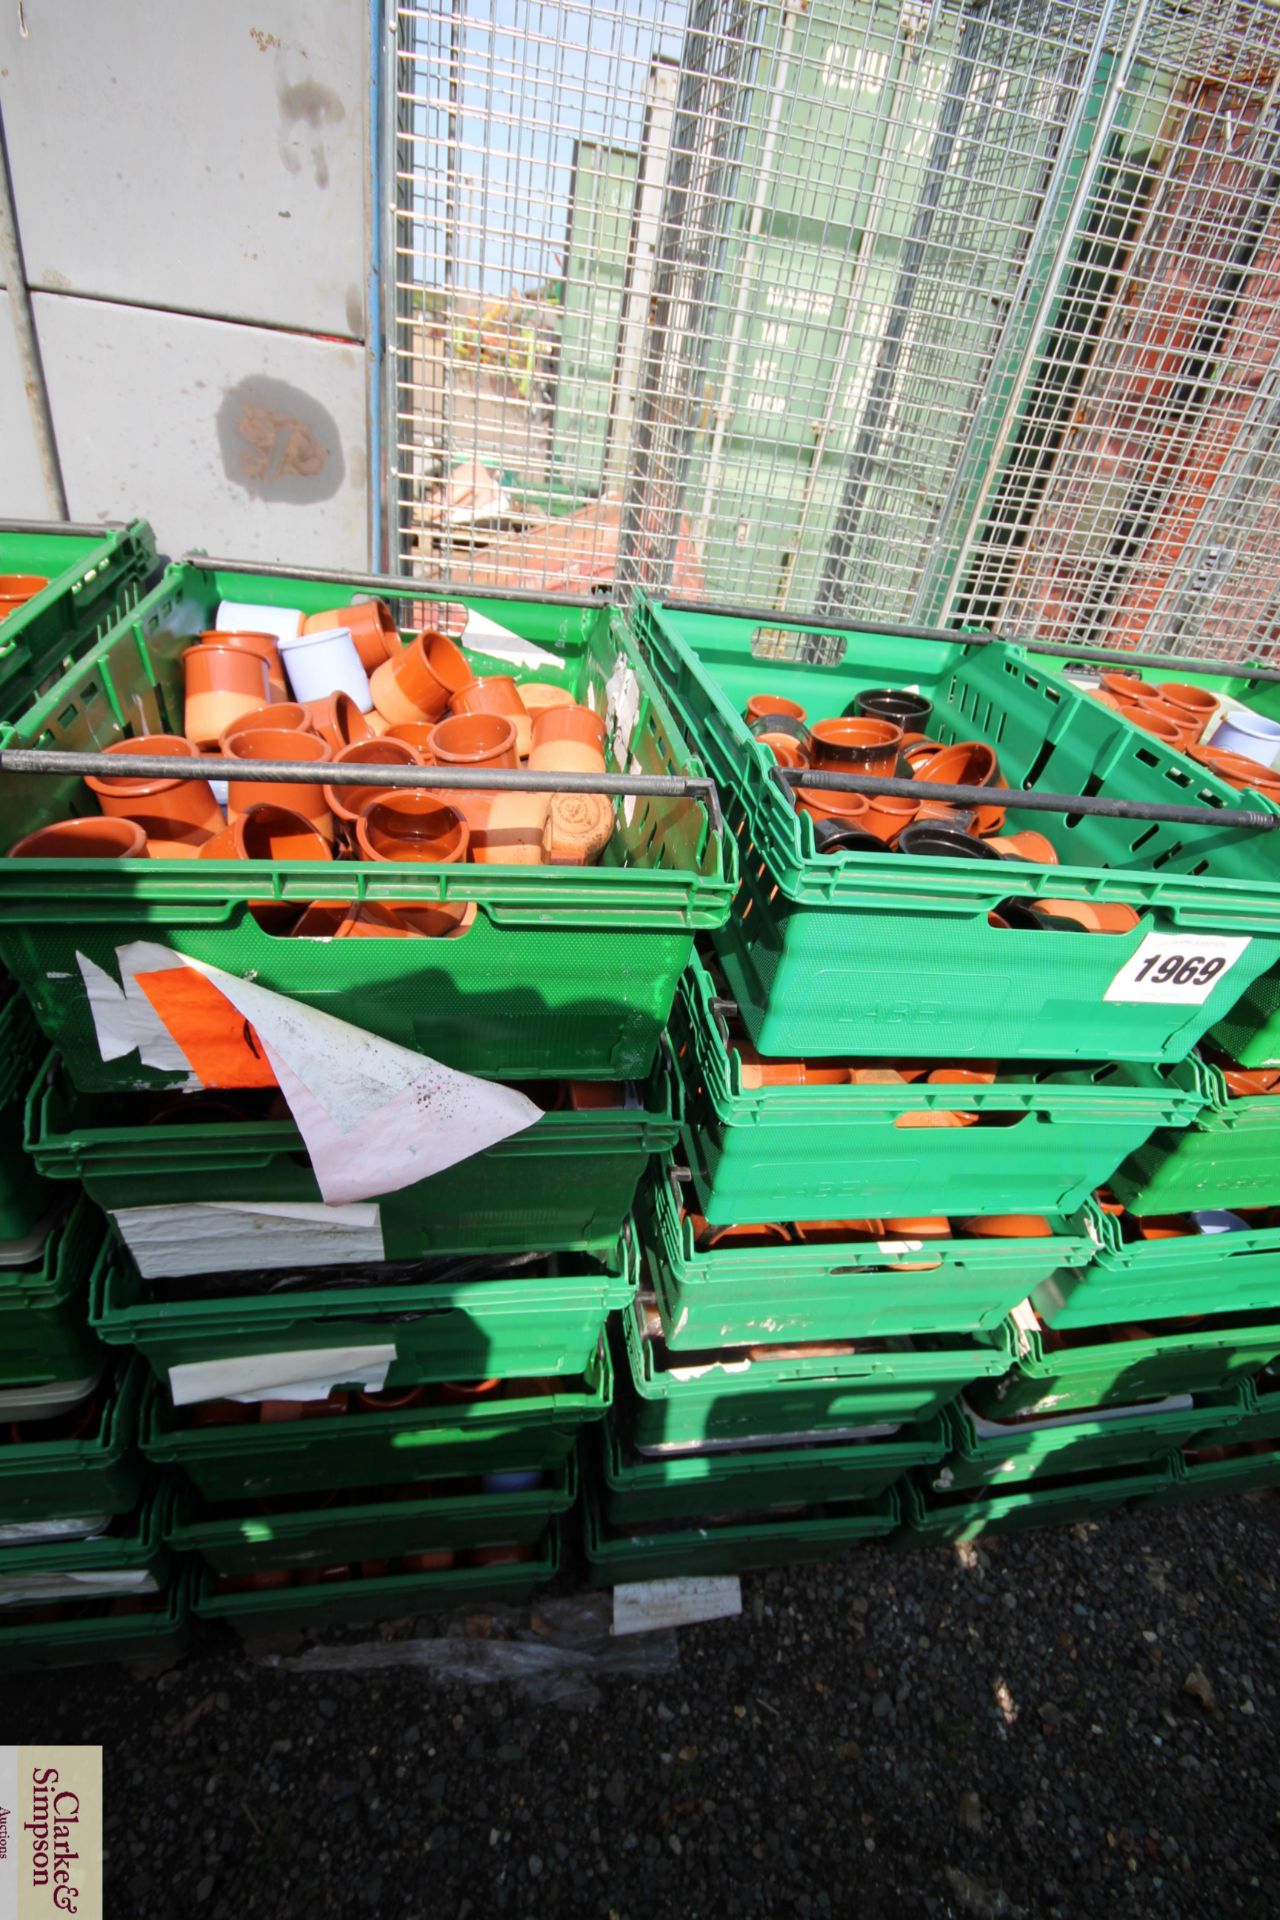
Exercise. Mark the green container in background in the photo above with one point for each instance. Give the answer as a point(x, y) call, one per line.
point(862, 953)
point(636, 1491)
point(735, 1296)
point(675, 1552)
point(91, 1632)
point(256, 1535)
point(441, 1330)
point(1228, 1157)
point(381, 1598)
point(95, 575)
point(1143, 1280)
point(1043, 1142)
point(1215, 1352)
point(53, 1479)
point(564, 973)
point(1250, 1032)
point(44, 1307)
point(1043, 1503)
point(523, 1427)
point(131, 1557)
point(567, 1182)
point(26, 1196)
point(1197, 1479)
point(727, 1396)
point(986, 1453)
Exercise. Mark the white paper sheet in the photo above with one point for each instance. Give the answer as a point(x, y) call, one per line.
point(124, 1018)
point(488, 637)
point(375, 1116)
point(642, 1606)
point(232, 1236)
point(17, 1589)
point(308, 1374)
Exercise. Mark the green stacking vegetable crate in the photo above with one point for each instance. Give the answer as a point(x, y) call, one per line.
point(130, 1557)
point(564, 972)
point(250, 1536)
point(985, 1452)
point(1250, 1032)
point(1241, 1472)
point(88, 1632)
point(378, 1597)
point(872, 953)
point(440, 1329)
point(95, 575)
point(637, 1490)
point(1175, 1356)
point(744, 1296)
point(567, 1182)
point(1042, 1143)
point(1228, 1157)
point(1156, 1279)
point(26, 1196)
point(667, 1553)
point(525, 1426)
point(1042, 1503)
point(44, 1306)
point(94, 1473)
point(1261, 1417)
point(684, 1400)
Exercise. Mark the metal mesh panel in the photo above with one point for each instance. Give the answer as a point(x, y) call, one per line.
point(1139, 500)
point(940, 312)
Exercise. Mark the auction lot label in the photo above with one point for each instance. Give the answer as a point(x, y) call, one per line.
point(50, 1833)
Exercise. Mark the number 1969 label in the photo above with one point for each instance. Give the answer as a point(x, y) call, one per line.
point(1175, 969)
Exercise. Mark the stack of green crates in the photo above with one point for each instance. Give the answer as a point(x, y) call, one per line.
point(479, 1302)
point(892, 958)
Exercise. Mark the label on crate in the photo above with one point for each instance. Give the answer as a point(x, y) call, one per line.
point(1176, 969)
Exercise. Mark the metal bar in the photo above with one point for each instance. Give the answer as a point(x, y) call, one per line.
point(78, 529)
point(313, 773)
point(394, 585)
point(13, 274)
point(1022, 798)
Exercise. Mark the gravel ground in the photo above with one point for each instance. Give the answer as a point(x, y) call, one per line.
point(1070, 1723)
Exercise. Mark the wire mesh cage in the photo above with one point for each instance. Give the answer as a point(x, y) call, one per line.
point(926, 310)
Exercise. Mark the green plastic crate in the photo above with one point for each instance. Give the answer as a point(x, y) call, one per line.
point(1198, 1479)
point(95, 576)
point(567, 1182)
point(1228, 1157)
point(1157, 1279)
point(637, 1491)
point(524, 1429)
point(56, 1479)
point(130, 1557)
point(1058, 1503)
point(565, 972)
point(724, 1396)
point(1042, 1144)
point(382, 1598)
point(1169, 1357)
point(1250, 1032)
point(25, 1195)
point(997, 1453)
point(90, 1632)
point(866, 953)
point(44, 1308)
point(747, 1296)
point(441, 1330)
point(370, 1522)
point(1260, 1419)
point(673, 1552)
